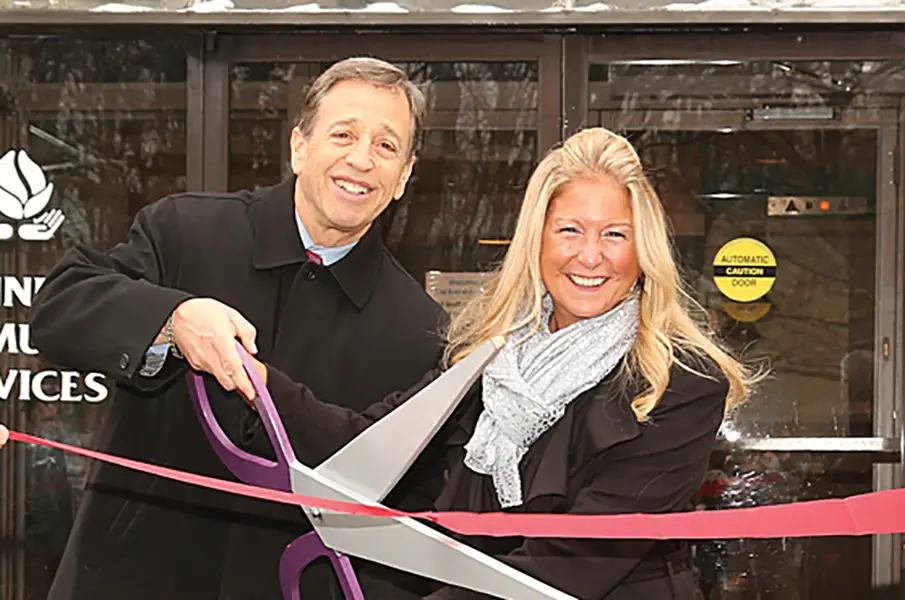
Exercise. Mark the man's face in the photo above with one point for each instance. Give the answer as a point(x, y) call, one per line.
point(354, 162)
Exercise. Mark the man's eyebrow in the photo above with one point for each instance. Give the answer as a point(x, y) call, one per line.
point(346, 121)
point(388, 129)
point(383, 128)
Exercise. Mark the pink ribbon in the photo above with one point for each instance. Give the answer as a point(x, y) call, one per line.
point(865, 514)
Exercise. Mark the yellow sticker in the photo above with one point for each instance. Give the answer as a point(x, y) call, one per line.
point(744, 269)
point(748, 312)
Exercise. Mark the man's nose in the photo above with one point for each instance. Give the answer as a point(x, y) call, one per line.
point(359, 155)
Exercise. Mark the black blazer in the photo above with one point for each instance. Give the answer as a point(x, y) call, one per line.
point(354, 331)
point(596, 460)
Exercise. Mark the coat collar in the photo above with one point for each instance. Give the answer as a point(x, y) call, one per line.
point(596, 421)
point(276, 243)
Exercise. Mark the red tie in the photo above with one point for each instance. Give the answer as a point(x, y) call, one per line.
point(313, 257)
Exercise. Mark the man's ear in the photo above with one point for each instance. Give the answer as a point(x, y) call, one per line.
point(298, 150)
point(404, 179)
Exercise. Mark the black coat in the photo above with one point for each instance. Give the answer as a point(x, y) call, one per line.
point(597, 459)
point(353, 331)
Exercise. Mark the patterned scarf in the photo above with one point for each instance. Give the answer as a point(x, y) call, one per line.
point(528, 386)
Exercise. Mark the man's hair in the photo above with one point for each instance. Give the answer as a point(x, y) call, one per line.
point(371, 70)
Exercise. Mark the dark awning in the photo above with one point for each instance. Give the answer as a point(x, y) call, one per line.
point(453, 12)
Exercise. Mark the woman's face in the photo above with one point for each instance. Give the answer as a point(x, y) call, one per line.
point(588, 260)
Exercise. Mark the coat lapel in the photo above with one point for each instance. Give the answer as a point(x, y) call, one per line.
point(276, 241)
point(596, 421)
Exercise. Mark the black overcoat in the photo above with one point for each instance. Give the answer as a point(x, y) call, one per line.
point(354, 331)
point(597, 459)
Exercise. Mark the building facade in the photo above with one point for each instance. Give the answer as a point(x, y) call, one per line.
point(771, 130)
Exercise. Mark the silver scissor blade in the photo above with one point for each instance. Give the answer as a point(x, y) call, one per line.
point(374, 462)
point(407, 545)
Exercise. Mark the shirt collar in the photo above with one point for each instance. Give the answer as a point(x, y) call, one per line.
point(328, 254)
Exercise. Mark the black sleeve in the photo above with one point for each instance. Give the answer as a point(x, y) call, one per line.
point(101, 311)
point(318, 429)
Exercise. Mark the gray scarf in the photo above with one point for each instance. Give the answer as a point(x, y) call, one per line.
point(529, 384)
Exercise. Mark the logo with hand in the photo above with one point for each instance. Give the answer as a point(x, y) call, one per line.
point(24, 194)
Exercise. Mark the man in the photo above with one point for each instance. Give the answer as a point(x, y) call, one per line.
point(298, 273)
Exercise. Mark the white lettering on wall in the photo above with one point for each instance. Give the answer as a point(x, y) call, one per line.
point(52, 386)
point(46, 385)
point(19, 291)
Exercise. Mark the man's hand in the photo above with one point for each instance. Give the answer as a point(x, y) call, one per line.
point(4, 435)
point(262, 371)
point(205, 331)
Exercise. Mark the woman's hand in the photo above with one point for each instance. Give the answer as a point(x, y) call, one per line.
point(4, 435)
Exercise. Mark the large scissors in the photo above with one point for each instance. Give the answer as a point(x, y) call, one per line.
point(364, 471)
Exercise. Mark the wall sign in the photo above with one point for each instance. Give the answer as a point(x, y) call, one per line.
point(24, 197)
point(744, 269)
point(452, 290)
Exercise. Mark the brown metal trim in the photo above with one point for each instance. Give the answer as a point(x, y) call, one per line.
point(850, 45)
point(327, 47)
point(194, 118)
point(438, 18)
point(549, 108)
point(575, 84)
point(216, 124)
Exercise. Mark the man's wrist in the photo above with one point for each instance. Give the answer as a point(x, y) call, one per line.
point(170, 338)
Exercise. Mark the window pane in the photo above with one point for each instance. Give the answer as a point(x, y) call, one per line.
point(105, 123)
point(789, 154)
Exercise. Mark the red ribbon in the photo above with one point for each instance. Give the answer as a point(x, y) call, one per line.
point(865, 514)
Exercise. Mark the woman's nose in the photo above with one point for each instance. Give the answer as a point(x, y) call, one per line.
point(591, 253)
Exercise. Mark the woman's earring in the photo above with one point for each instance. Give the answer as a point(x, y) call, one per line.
point(638, 286)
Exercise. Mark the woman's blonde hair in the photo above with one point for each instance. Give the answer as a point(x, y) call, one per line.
point(514, 292)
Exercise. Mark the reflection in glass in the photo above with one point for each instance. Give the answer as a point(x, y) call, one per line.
point(786, 153)
point(105, 121)
point(478, 150)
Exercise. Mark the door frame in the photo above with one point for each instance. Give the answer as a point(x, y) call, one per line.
point(887, 433)
point(888, 445)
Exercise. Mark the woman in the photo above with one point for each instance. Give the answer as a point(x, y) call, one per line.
point(606, 399)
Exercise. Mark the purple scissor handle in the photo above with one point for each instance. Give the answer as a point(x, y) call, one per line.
point(255, 470)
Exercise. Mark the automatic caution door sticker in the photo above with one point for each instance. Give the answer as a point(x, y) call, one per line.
point(744, 269)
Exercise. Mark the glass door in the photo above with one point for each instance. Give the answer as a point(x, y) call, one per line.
point(782, 198)
point(493, 107)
